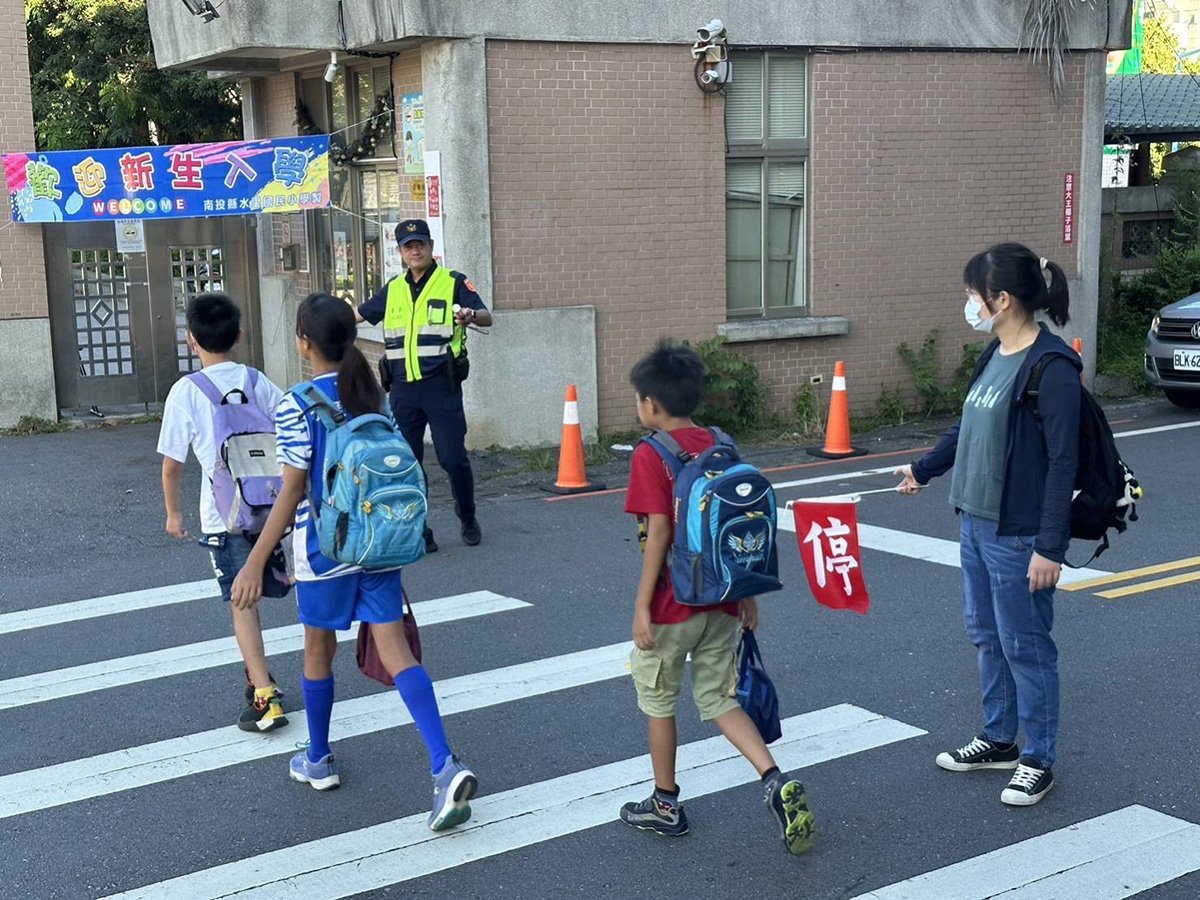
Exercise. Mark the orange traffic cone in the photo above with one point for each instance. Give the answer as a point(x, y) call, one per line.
point(572, 475)
point(1077, 346)
point(837, 429)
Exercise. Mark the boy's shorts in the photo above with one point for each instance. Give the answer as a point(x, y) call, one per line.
point(229, 553)
point(712, 639)
point(335, 603)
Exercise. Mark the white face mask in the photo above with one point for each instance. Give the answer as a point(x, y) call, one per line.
point(971, 312)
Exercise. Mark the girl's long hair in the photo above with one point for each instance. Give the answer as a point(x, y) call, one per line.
point(1017, 269)
point(330, 324)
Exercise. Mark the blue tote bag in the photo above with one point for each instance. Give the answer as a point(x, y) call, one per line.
point(755, 690)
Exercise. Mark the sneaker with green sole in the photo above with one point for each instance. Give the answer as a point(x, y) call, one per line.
point(785, 799)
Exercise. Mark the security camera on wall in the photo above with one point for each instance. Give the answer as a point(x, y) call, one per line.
point(713, 31)
point(711, 52)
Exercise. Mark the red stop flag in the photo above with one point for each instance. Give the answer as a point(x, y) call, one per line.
point(828, 536)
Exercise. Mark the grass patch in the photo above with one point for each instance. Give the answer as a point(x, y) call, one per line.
point(31, 425)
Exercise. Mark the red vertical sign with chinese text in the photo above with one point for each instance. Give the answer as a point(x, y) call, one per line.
point(828, 536)
point(1069, 208)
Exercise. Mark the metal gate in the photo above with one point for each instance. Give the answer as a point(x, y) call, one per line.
point(117, 319)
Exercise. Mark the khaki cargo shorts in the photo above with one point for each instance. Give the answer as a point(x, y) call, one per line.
point(711, 638)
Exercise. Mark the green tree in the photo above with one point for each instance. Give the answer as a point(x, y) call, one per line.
point(95, 82)
point(1160, 56)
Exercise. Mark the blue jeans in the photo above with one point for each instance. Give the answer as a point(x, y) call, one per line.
point(1010, 628)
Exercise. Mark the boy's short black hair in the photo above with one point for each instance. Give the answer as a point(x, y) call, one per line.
point(673, 375)
point(214, 321)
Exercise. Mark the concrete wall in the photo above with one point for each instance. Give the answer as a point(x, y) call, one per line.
point(519, 373)
point(181, 39)
point(806, 23)
point(26, 370)
point(26, 361)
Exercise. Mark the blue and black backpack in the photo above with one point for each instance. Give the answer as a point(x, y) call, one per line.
point(725, 525)
point(372, 490)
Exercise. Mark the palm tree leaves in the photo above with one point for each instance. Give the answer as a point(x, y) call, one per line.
point(1045, 33)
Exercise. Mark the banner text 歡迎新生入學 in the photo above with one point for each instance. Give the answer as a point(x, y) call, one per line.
point(177, 181)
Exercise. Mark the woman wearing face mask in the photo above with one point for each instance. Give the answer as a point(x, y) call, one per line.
point(1012, 487)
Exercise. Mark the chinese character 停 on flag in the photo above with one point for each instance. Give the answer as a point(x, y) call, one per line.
point(828, 535)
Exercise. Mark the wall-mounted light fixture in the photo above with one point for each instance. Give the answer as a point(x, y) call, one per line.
point(202, 8)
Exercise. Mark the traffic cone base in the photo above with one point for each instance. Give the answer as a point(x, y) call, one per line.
point(837, 429)
point(572, 474)
point(845, 454)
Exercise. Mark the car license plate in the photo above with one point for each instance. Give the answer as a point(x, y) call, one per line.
point(1187, 360)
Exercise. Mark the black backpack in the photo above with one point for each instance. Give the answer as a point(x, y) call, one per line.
point(1106, 491)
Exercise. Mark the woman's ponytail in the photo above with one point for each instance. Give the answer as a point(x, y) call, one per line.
point(1059, 302)
point(358, 388)
point(330, 324)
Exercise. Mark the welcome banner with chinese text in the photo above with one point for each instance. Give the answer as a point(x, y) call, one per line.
point(223, 179)
point(828, 535)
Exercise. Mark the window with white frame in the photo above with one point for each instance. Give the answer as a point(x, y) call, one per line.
point(766, 165)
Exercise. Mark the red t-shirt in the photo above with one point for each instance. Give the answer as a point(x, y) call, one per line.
point(652, 492)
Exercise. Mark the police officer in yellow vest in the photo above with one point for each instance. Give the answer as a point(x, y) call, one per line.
point(425, 316)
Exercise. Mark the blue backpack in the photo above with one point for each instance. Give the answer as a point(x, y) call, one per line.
point(724, 546)
point(372, 490)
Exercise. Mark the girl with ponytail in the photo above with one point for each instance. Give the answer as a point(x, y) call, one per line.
point(331, 595)
point(1013, 482)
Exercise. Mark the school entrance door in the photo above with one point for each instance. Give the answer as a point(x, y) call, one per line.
point(117, 319)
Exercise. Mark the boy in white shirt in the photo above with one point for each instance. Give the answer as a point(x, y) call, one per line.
point(214, 326)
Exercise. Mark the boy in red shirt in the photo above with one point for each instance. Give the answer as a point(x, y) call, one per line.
point(670, 382)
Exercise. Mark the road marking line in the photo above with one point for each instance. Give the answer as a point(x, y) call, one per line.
point(823, 479)
point(85, 679)
point(207, 751)
point(405, 849)
point(1147, 586)
point(922, 547)
point(1158, 430)
point(1135, 573)
point(1115, 855)
point(768, 471)
point(25, 619)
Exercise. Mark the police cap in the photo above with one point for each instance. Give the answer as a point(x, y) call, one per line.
point(413, 230)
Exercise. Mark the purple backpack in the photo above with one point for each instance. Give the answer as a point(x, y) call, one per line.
point(246, 478)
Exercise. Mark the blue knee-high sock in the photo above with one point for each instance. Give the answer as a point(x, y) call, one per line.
point(416, 690)
point(318, 708)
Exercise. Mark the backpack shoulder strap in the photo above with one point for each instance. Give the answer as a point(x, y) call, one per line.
point(668, 448)
point(720, 438)
point(313, 398)
point(1034, 385)
point(251, 382)
point(207, 387)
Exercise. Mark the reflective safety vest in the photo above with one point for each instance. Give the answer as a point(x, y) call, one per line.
point(422, 331)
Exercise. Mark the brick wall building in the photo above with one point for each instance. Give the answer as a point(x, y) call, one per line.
point(600, 199)
point(26, 365)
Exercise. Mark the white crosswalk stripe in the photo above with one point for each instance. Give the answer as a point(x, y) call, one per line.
point(59, 683)
point(207, 751)
point(1116, 855)
point(405, 849)
point(133, 601)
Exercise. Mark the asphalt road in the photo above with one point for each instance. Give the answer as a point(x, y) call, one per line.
point(83, 520)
